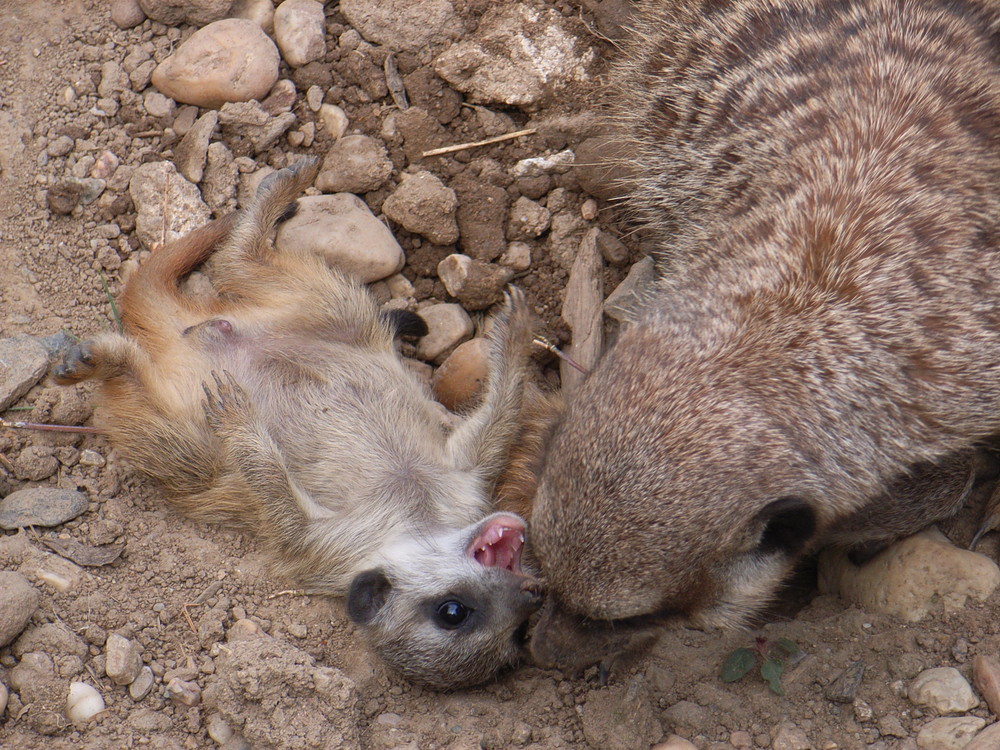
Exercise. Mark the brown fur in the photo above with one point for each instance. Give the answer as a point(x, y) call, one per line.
point(283, 407)
point(825, 180)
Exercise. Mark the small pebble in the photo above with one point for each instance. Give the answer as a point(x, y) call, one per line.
point(123, 660)
point(944, 689)
point(183, 692)
point(314, 98)
point(448, 326)
point(142, 684)
point(83, 702)
point(333, 119)
point(299, 30)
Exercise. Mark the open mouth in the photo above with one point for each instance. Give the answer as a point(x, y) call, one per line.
point(499, 544)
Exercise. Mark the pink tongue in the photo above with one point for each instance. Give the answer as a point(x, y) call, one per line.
point(498, 546)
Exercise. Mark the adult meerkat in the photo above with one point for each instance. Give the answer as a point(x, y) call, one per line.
point(284, 407)
point(825, 176)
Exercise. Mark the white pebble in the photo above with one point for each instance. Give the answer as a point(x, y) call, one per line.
point(83, 702)
point(333, 119)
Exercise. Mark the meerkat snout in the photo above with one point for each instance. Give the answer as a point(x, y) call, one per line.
point(461, 601)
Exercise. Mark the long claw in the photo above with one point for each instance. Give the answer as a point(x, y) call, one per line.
point(990, 519)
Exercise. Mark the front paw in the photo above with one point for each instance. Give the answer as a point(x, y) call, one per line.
point(78, 363)
point(226, 402)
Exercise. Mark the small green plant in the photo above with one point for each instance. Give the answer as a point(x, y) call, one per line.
point(773, 657)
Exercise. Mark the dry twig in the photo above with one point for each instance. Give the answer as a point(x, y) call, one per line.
point(475, 144)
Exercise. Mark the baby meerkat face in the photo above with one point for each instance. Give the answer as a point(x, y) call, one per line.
point(451, 610)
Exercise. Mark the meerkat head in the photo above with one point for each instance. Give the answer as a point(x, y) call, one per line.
point(450, 610)
point(674, 490)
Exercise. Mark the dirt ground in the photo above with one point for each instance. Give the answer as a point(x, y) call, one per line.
point(179, 587)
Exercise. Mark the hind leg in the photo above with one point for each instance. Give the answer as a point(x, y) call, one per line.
point(483, 439)
point(248, 247)
point(102, 358)
point(928, 493)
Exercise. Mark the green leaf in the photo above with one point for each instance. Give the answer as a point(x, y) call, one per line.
point(111, 302)
point(737, 664)
point(771, 671)
point(789, 647)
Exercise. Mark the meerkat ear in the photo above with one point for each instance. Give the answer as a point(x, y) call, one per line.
point(788, 526)
point(406, 323)
point(367, 595)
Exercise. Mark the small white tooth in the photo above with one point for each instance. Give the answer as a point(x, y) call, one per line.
point(522, 538)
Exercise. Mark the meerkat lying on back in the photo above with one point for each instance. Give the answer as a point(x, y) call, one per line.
point(824, 178)
point(283, 407)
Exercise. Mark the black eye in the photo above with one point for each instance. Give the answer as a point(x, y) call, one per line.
point(451, 614)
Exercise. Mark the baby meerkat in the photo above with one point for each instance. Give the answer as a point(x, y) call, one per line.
point(822, 348)
point(283, 407)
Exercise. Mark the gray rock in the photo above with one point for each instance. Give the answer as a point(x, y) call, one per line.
point(944, 689)
point(63, 196)
point(517, 256)
point(183, 693)
point(949, 733)
point(18, 602)
point(159, 106)
point(527, 219)
point(35, 463)
point(4, 695)
point(333, 119)
point(448, 325)
point(157, 186)
point(403, 25)
point(281, 99)
point(844, 687)
point(126, 14)
point(123, 661)
point(422, 204)
point(519, 56)
point(190, 154)
point(476, 284)
point(194, 12)
point(260, 12)
point(300, 31)
point(232, 60)
point(60, 146)
point(911, 578)
point(250, 121)
point(40, 506)
point(342, 229)
point(218, 186)
point(354, 164)
point(23, 362)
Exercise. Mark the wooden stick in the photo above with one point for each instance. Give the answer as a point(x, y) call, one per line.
point(474, 144)
point(49, 427)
